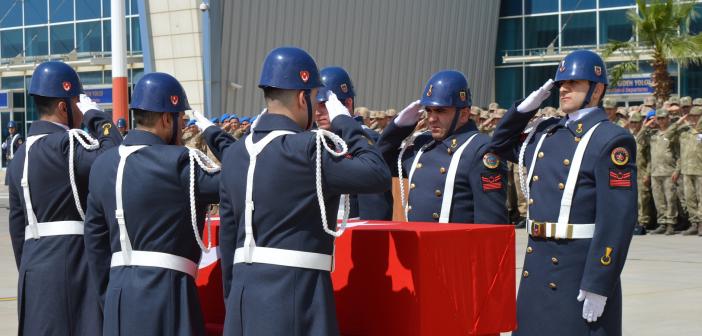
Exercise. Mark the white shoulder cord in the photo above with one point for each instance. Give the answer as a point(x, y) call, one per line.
point(92, 144)
point(210, 167)
point(338, 143)
point(408, 142)
point(523, 183)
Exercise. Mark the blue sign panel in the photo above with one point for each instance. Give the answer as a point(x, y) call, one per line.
point(633, 85)
point(4, 100)
point(100, 96)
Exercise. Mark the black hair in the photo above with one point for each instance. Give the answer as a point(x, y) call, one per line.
point(146, 118)
point(283, 95)
point(46, 105)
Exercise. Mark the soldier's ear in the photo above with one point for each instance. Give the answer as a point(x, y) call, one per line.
point(301, 103)
point(465, 115)
point(599, 91)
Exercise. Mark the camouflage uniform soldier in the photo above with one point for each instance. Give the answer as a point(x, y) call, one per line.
point(691, 167)
point(484, 116)
point(610, 107)
point(674, 108)
point(643, 178)
point(664, 172)
point(685, 105)
point(622, 117)
point(365, 114)
point(675, 113)
point(475, 114)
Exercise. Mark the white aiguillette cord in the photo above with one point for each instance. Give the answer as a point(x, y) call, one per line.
point(341, 144)
point(202, 160)
point(91, 144)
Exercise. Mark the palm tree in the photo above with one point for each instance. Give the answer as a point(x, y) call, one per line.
point(662, 27)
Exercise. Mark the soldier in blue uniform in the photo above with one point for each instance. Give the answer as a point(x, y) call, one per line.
point(11, 144)
point(277, 219)
point(581, 185)
point(48, 184)
point(143, 253)
point(451, 177)
point(337, 80)
point(122, 126)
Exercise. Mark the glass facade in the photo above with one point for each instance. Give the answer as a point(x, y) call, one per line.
point(548, 28)
point(37, 30)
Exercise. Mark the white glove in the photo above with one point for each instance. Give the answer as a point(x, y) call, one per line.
point(537, 97)
point(335, 107)
point(255, 123)
point(410, 115)
point(593, 306)
point(86, 104)
point(4, 145)
point(200, 121)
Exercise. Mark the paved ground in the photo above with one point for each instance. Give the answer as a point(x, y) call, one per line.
point(662, 282)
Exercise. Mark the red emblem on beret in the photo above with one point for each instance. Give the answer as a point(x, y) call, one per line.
point(598, 71)
point(462, 95)
point(344, 88)
point(66, 86)
point(305, 76)
point(174, 100)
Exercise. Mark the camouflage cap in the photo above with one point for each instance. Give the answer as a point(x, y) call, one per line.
point(674, 100)
point(493, 106)
point(697, 102)
point(380, 114)
point(560, 113)
point(609, 102)
point(550, 111)
point(390, 113)
point(362, 111)
point(649, 101)
point(636, 117)
point(622, 111)
point(484, 114)
point(499, 113)
point(686, 101)
point(695, 111)
point(372, 114)
point(662, 113)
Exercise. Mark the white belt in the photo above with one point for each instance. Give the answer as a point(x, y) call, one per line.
point(290, 258)
point(58, 228)
point(156, 259)
point(553, 230)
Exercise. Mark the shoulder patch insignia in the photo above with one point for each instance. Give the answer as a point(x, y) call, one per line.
point(620, 156)
point(491, 182)
point(106, 129)
point(491, 161)
point(620, 178)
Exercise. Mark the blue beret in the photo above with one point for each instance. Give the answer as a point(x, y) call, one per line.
point(245, 119)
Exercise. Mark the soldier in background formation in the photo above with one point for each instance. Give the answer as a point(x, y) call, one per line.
point(668, 145)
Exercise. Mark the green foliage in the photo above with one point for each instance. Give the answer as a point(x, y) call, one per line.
point(662, 27)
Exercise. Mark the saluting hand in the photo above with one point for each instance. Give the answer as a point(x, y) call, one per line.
point(536, 98)
point(86, 104)
point(200, 120)
point(334, 107)
point(410, 115)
